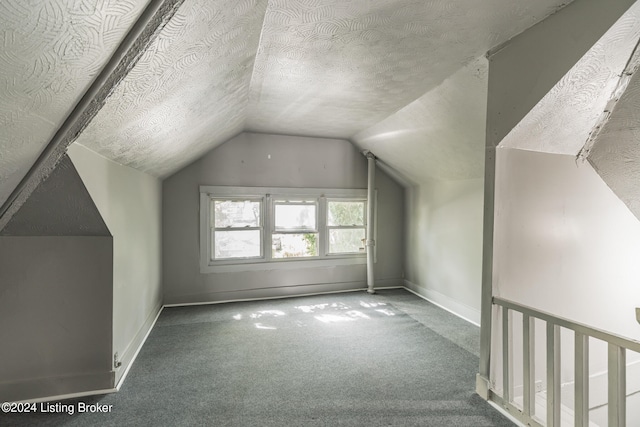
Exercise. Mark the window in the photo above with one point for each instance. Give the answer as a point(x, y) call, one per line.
point(346, 226)
point(295, 229)
point(236, 228)
point(245, 227)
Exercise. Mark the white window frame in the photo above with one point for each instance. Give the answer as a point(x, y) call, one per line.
point(268, 195)
point(280, 199)
point(213, 229)
point(346, 227)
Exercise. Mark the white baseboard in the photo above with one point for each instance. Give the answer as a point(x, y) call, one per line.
point(187, 304)
point(129, 356)
point(449, 304)
point(71, 395)
point(294, 291)
point(131, 353)
point(57, 388)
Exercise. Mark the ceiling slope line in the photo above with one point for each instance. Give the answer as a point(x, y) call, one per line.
point(621, 86)
point(497, 48)
point(255, 60)
point(148, 25)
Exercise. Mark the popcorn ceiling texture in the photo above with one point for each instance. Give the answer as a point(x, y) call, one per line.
point(430, 130)
point(616, 152)
point(188, 92)
point(309, 67)
point(561, 122)
point(89, 105)
point(51, 51)
point(334, 68)
point(302, 67)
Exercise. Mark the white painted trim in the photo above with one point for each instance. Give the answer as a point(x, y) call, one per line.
point(265, 262)
point(363, 288)
point(286, 264)
point(89, 384)
point(463, 311)
point(70, 395)
point(153, 324)
point(188, 304)
point(135, 354)
point(117, 387)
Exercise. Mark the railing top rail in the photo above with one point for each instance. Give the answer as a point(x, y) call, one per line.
point(569, 324)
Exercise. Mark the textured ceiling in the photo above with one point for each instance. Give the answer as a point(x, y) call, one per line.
point(333, 68)
point(441, 134)
point(562, 121)
point(189, 91)
point(50, 52)
point(616, 152)
point(303, 67)
point(307, 67)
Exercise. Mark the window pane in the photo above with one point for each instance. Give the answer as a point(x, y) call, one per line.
point(294, 245)
point(296, 217)
point(236, 213)
point(237, 244)
point(346, 213)
point(346, 240)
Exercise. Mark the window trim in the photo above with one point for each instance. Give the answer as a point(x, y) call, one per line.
point(345, 227)
point(213, 229)
point(268, 195)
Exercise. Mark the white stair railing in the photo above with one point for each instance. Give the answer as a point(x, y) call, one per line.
point(617, 347)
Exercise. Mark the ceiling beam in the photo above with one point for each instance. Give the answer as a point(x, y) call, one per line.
point(150, 22)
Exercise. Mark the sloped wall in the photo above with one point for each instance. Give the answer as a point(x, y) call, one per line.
point(295, 162)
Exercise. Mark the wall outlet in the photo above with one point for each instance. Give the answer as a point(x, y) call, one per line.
point(539, 387)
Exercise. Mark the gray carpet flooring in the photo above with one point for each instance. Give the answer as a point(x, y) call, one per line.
point(350, 359)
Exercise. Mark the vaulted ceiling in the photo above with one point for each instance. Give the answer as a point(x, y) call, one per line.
point(406, 78)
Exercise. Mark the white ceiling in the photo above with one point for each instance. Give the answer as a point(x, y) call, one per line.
point(593, 112)
point(441, 134)
point(358, 69)
point(188, 90)
point(562, 121)
point(50, 51)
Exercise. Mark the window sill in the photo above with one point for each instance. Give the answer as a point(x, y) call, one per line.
point(283, 264)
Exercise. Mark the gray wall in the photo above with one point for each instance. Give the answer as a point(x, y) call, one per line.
point(295, 162)
point(131, 206)
point(59, 206)
point(55, 293)
point(55, 312)
point(444, 244)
